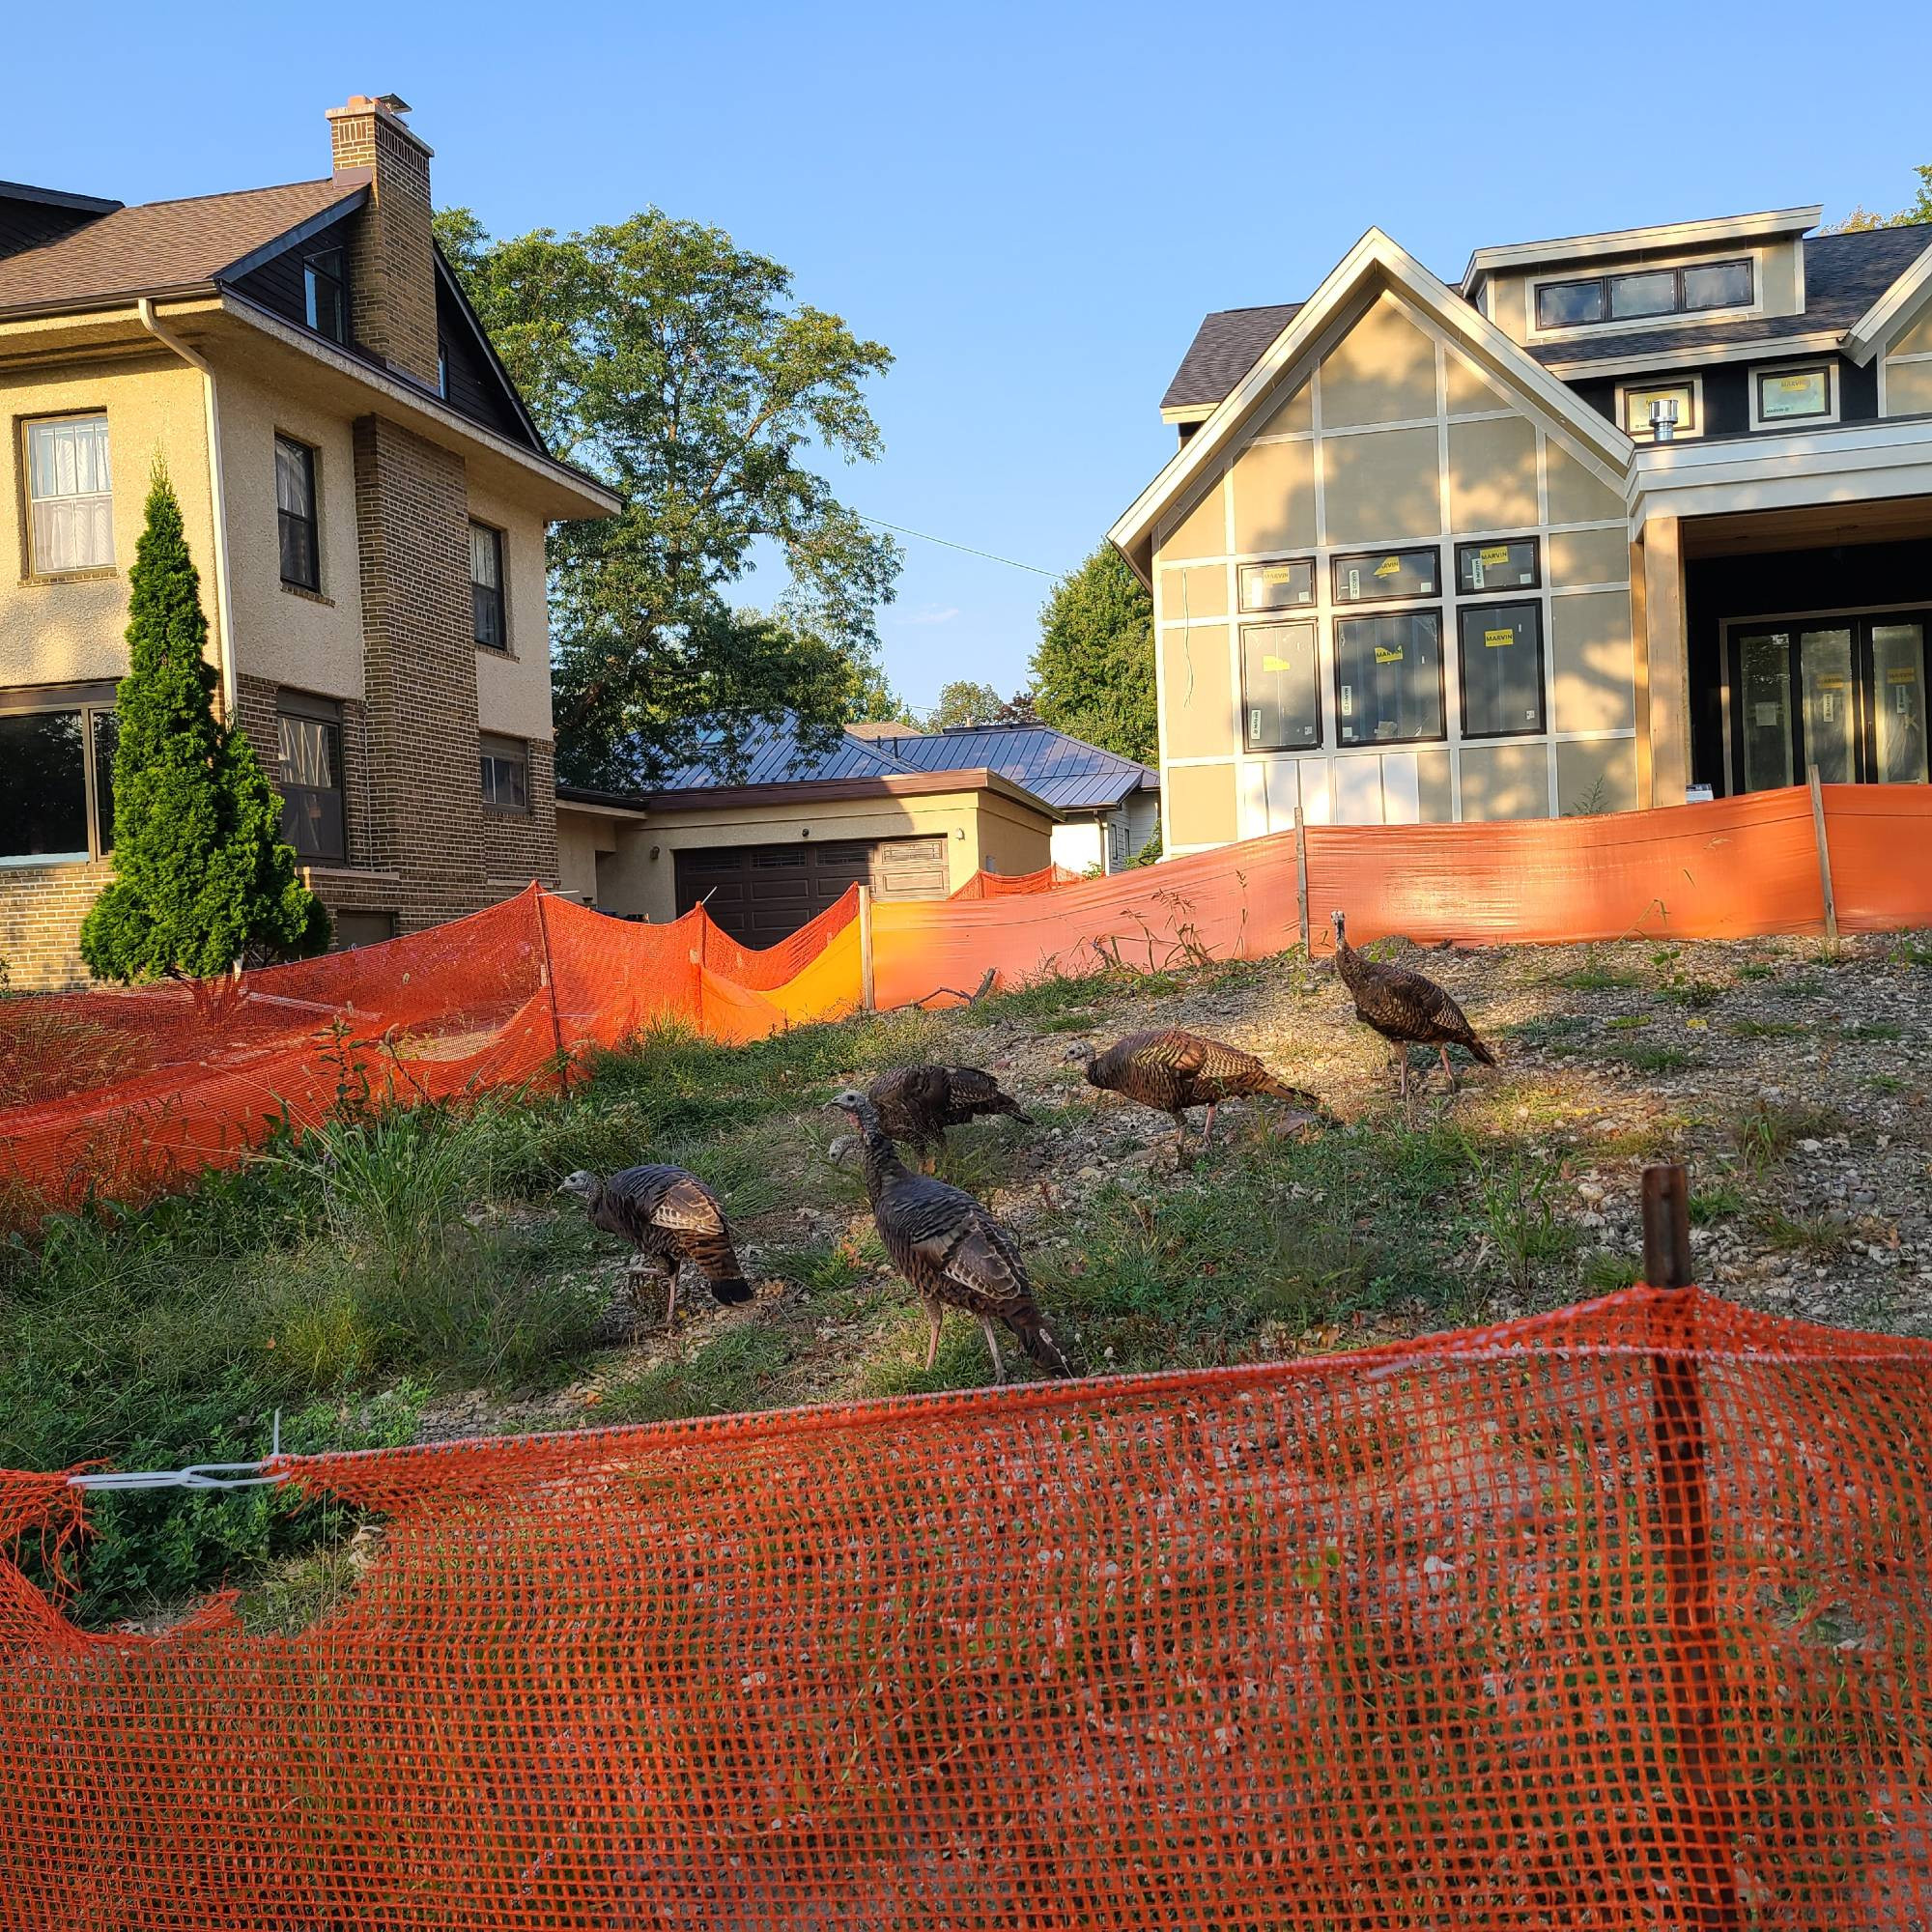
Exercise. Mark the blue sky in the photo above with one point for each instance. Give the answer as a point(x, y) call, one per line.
point(1031, 205)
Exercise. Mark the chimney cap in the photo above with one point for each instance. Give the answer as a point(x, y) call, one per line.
point(389, 107)
point(394, 102)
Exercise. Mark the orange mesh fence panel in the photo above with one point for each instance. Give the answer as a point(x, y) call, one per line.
point(1881, 841)
point(122, 1091)
point(1005, 885)
point(1612, 1618)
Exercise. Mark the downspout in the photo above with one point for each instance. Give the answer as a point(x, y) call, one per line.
point(212, 415)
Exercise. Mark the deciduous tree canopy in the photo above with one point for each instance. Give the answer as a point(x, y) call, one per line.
point(680, 370)
point(1093, 667)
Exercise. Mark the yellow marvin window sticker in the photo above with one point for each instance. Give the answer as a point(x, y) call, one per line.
point(1385, 656)
point(1271, 663)
point(1491, 554)
point(1389, 566)
point(1496, 640)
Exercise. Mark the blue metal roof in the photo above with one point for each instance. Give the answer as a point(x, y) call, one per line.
point(1059, 770)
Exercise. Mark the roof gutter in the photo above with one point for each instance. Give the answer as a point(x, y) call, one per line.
point(224, 625)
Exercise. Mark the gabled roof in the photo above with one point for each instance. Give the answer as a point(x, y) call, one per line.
point(1373, 262)
point(168, 245)
point(1226, 346)
point(1066, 772)
point(1891, 304)
point(1615, 241)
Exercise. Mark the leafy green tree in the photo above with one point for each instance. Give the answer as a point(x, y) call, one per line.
point(1920, 210)
point(203, 881)
point(679, 369)
point(963, 701)
point(1094, 665)
point(875, 700)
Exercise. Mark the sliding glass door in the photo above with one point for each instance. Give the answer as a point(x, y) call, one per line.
point(1844, 693)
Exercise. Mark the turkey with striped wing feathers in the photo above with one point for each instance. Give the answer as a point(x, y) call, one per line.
point(917, 1104)
point(1175, 1070)
point(671, 1217)
point(1403, 1006)
point(950, 1249)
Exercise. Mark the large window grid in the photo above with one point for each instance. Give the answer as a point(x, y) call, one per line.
point(69, 490)
point(57, 776)
point(1642, 294)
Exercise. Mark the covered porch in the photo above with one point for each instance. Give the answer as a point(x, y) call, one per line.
point(1783, 610)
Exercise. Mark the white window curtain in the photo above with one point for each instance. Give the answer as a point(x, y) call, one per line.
point(71, 491)
point(486, 566)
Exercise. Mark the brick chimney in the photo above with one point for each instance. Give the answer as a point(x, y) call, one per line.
point(392, 260)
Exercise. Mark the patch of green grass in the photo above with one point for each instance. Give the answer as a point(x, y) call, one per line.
point(1764, 1132)
point(1770, 1029)
point(1596, 975)
point(1870, 1030)
point(826, 1267)
point(1720, 1201)
point(1803, 986)
point(1627, 1022)
point(1516, 1197)
point(1757, 969)
point(1055, 997)
point(1605, 1273)
point(1802, 1234)
point(1558, 1034)
point(1642, 1057)
point(1696, 994)
point(1886, 1083)
point(730, 1373)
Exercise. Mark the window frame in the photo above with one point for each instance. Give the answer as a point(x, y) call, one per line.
point(87, 702)
point(1535, 582)
point(313, 271)
point(1686, 431)
point(313, 709)
point(1812, 365)
point(1609, 319)
point(1276, 620)
point(1356, 616)
point(1340, 599)
point(283, 518)
point(502, 588)
point(1533, 605)
point(30, 564)
point(489, 749)
point(1313, 602)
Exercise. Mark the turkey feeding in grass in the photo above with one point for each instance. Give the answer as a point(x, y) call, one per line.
point(1174, 1071)
point(1402, 1005)
point(917, 1104)
point(671, 1217)
point(952, 1251)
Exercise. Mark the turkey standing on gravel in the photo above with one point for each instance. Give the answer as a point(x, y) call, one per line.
point(1175, 1070)
point(671, 1217)
point(1402, 1005)
point(952, 1251)
point(917, 1104)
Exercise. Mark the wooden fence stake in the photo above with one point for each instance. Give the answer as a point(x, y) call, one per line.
point(1301, 878)
point(1693, 1654)
point(1824, 855)
point(868, 993)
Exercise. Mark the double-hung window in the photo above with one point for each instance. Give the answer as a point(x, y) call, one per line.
point(69, 495)
point(488, 617)
point(309, 734)
point(295, 510)
point(56, 775)
point(507, 779)
point(325, 294)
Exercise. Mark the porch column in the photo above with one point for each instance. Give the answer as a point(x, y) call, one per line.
point(1664, 673)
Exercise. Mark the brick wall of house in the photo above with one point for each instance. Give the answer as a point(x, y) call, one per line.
point(41, 911)
point(420, 672)
point(521, 846)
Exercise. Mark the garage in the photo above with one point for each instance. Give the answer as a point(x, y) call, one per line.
point(762, 894)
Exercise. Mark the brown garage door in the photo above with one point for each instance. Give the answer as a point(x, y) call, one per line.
point(761, 893)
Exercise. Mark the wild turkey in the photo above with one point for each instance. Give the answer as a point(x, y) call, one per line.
point(917, 1104)
point(951, 1251)
point(671, 1217)
point(1175, 1070)
point(1402, 1005)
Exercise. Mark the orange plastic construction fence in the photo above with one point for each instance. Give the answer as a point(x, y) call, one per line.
point(119, 1092)
point(1613, 1618)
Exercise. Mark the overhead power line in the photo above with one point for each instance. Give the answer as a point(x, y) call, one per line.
point(926, 536)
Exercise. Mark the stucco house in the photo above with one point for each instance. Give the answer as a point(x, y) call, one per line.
point(1614, 517)
point(366, 499)
point(769, 844)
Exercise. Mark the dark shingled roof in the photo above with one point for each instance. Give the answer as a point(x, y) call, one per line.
point(165, 244)
point(1225, 348)
point(1844, 274)
point(1062, 771)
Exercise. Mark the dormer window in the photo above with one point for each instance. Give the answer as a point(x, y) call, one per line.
point(1641, 294)
point(325, 300)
